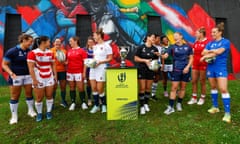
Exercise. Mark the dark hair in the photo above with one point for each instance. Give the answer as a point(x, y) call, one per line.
point(24, 36)
point(148, 35)
point(77, 39)
point(202, 30)
point(220, 27)
point(89, 38)
point(100, 32)
point(38, 41)
point(162, 37)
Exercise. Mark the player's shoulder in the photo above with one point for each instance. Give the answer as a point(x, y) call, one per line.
point(224, 40)
point(13, 50)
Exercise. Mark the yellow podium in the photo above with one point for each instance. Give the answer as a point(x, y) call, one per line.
point(122, 92)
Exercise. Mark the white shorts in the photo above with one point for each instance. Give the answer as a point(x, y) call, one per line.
point(45, 82)
point(168, 68)
point(97, 74)
point(22, 80)
point(74, 76)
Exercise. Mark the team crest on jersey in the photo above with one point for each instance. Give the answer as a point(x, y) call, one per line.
point(185, 48)
point(144, 50)
point(20, 53)
point(208, 73)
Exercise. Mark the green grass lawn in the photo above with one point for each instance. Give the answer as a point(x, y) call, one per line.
point(191, 126)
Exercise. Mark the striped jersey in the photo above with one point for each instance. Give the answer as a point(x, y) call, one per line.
point(43, 61)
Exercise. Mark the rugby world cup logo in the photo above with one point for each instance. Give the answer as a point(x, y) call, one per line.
point(122, 77)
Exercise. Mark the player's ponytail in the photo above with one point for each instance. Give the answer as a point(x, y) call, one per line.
point(220, 27)
point(37, 41)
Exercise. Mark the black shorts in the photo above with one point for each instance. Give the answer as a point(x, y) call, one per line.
point(61, 76)
point(145, 74)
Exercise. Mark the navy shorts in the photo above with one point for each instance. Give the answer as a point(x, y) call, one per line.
point(179, 76)
point(61, 76)
point(146, 74)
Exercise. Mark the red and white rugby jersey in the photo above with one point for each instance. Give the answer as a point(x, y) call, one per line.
point(100, 51)
point(43, 61)
point(199, 46)
point(75, 58)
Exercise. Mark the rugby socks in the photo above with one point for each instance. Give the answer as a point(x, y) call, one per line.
point(180, 100)
point(214, 94)
point(165, 87)
point(82, 96)
point(226, 102)
point(39, 106)
point(141, 99)
point(146, 97)
point(194, 96)
point(103, 98)
point(30, 102)
point(96, 98)
point(89, 92)
point(14, 108)
point(49, 103)
point(171, 103)
point(63, 96)
point(203, 96)
point(73, 96)
point(154, 89)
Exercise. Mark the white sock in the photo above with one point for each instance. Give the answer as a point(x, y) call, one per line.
point(39, 107)
point(30, 104)
point(49, 104)
point(14, 109)
point(203, 96)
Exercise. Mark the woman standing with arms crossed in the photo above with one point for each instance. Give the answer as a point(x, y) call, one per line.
point(199, 67)
point(102, 53)
point(76, 72)
point(43, 72)
point(217, 70)
point(61, 70)
point(182, 61)
point(167, 64)
point(14, 63)
point(144, 55)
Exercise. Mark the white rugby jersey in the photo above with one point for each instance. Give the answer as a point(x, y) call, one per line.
point(100, 51)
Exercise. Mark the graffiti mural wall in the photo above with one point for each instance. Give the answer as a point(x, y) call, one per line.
point(123, 21)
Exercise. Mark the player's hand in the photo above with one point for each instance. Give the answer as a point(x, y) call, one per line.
point(13, 75)
point(35, 83)
point(148, 62)
point(185, 70)
point(202, 59)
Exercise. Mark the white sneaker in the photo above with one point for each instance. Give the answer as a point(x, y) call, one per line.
point(13, 120)
point(32, 113)
point(169, 110)
point(94, 109)
point(179, 107)
point(72, 107)
point(84, 106)
point(201, 101)
point(104, 109)
point(192, 101)
point(142, 111)
point(146, 107)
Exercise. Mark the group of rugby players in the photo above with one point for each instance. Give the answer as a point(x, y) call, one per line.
point(38, 68)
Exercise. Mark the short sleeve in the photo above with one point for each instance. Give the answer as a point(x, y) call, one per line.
point(190, 50)
point(31, 57)
point(170, 50)
point(225, 44)
point(139, 51)
point(108, 49)
point(8, 55)
point(84, 54)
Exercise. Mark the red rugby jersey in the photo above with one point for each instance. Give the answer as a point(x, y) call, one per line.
point(199, 46)
point(75, 58)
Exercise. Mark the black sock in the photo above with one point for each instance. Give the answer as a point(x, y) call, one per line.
point(180, 100)
point(73, 96)
point(165, 88)
point(171, 102)
point(141, 99)
point(146, 97)
point(96, 99)
point(82, 96)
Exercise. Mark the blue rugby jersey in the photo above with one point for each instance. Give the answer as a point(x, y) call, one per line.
point(180, 55)
point(221, 60)
point(18, 60)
